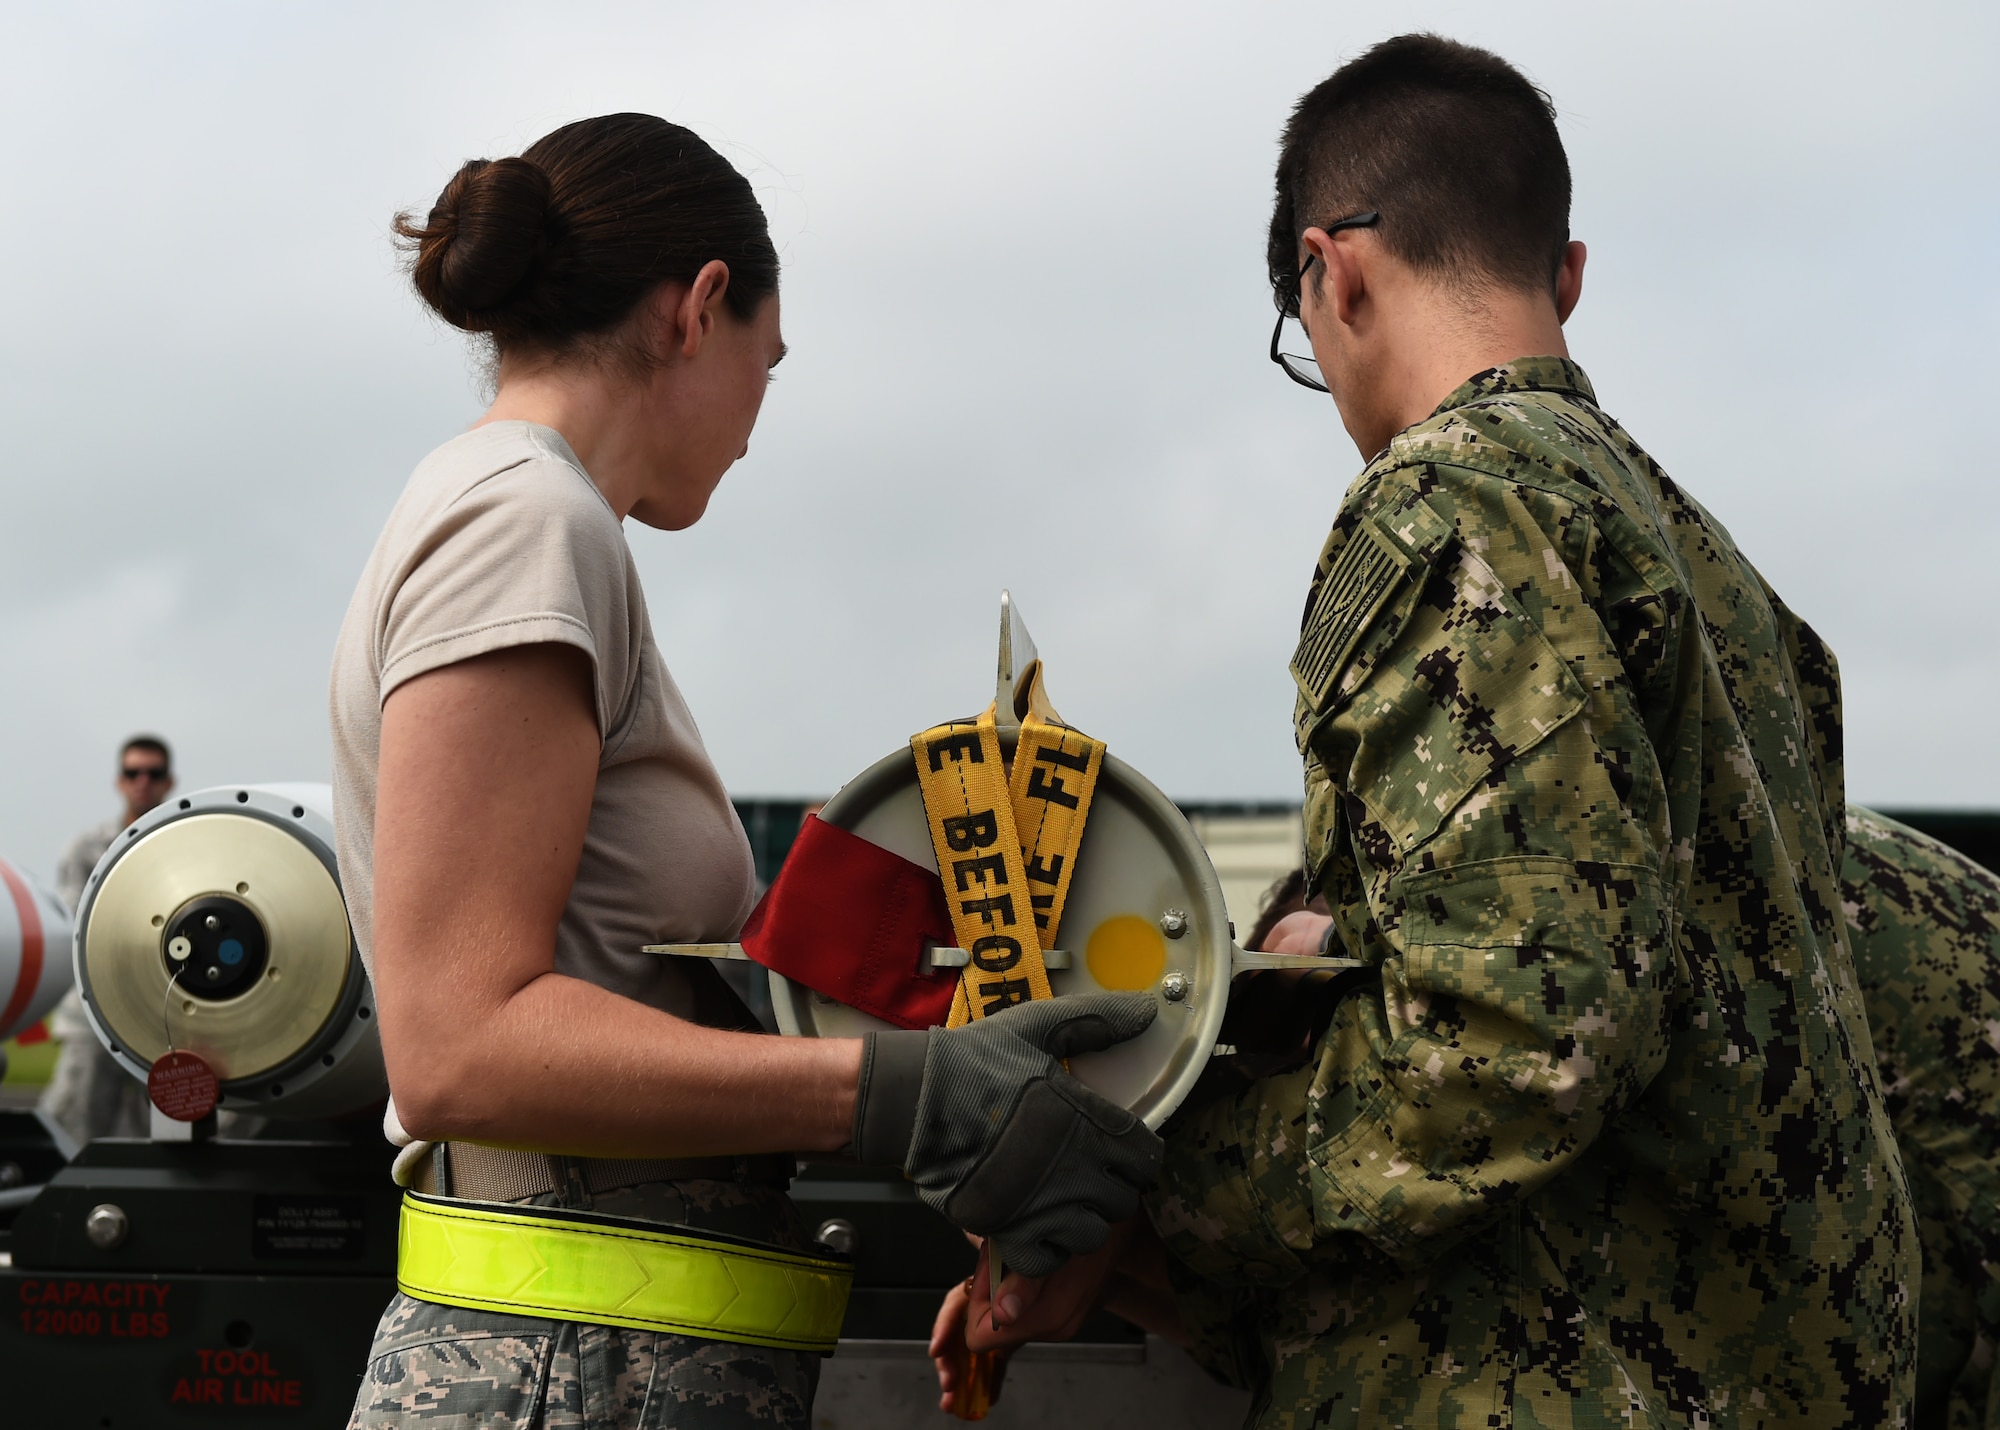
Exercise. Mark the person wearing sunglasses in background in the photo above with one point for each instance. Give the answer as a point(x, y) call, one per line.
point(89, 1093)
point(1601, 1140)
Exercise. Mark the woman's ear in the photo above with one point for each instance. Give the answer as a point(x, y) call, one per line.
point(695, 313)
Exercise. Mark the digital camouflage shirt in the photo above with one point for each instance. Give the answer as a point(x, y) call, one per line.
point(1603, 1144)
point(1925, 923)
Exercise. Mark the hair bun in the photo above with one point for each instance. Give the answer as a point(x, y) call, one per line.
point(479, 245)
point(552, 253)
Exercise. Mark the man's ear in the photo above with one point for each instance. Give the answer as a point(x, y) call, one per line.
point(1569, 280)
point(1336, 285)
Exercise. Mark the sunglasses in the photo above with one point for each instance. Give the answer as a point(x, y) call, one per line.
point(144, 772)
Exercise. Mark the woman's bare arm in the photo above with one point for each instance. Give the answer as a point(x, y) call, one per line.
point(485, 782)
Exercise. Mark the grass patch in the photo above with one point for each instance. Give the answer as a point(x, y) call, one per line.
point(33, 1065)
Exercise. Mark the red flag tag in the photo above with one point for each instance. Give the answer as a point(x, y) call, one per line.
point(852, 920)
point(183, 1087)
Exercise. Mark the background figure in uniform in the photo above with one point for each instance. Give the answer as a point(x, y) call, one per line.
point(1600, 1139)
point(1925, 922)
point(89, 1093)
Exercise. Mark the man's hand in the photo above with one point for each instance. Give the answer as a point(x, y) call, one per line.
point(1302, 932)
point(1048, 1308)
point(950, 1354)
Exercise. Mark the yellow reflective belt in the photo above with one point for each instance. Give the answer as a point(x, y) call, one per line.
point(571, 1266)
point(1006, 849)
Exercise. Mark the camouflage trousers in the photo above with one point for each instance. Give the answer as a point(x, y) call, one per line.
point(447, 1367)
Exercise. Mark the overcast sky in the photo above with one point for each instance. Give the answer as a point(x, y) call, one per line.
point(1022, 266)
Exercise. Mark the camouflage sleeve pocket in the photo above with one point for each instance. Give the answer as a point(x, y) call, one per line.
point(1463, 685)
point(1487, 1073)
point(1531, 902)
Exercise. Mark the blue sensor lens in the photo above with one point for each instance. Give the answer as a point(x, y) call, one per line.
point(229, 953)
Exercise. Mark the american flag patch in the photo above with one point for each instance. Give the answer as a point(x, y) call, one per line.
point(1364, 576)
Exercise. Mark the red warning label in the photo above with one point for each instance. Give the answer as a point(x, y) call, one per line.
point(183, 1087)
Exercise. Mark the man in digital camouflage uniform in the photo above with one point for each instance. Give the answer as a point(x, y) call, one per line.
point(1925, 924)
point(1603, 1143)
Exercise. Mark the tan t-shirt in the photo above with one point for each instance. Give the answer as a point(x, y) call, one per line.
point(500, 540)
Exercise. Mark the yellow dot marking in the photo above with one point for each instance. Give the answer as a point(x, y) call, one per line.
point(1126, 954)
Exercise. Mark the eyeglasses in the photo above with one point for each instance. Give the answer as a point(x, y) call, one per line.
point(1301, 368)
point(144, 772)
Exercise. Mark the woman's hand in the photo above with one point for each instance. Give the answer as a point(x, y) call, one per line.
point(995, 1133)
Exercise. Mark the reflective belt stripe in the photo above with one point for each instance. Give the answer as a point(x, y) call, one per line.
point(1006, 848)
point(530, 1263)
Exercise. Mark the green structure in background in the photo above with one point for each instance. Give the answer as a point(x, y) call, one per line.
point(773, 824)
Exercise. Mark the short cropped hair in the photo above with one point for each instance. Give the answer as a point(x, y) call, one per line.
point(1450, 144)
point(148, 742)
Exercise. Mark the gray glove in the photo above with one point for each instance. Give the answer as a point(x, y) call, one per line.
point(999, 1138)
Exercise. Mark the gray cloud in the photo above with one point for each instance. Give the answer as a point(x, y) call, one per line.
point(1023, 257)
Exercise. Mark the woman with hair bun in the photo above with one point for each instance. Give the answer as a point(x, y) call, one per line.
point(522, 802)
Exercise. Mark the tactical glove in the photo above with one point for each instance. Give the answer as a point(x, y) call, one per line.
point(999, 1138)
